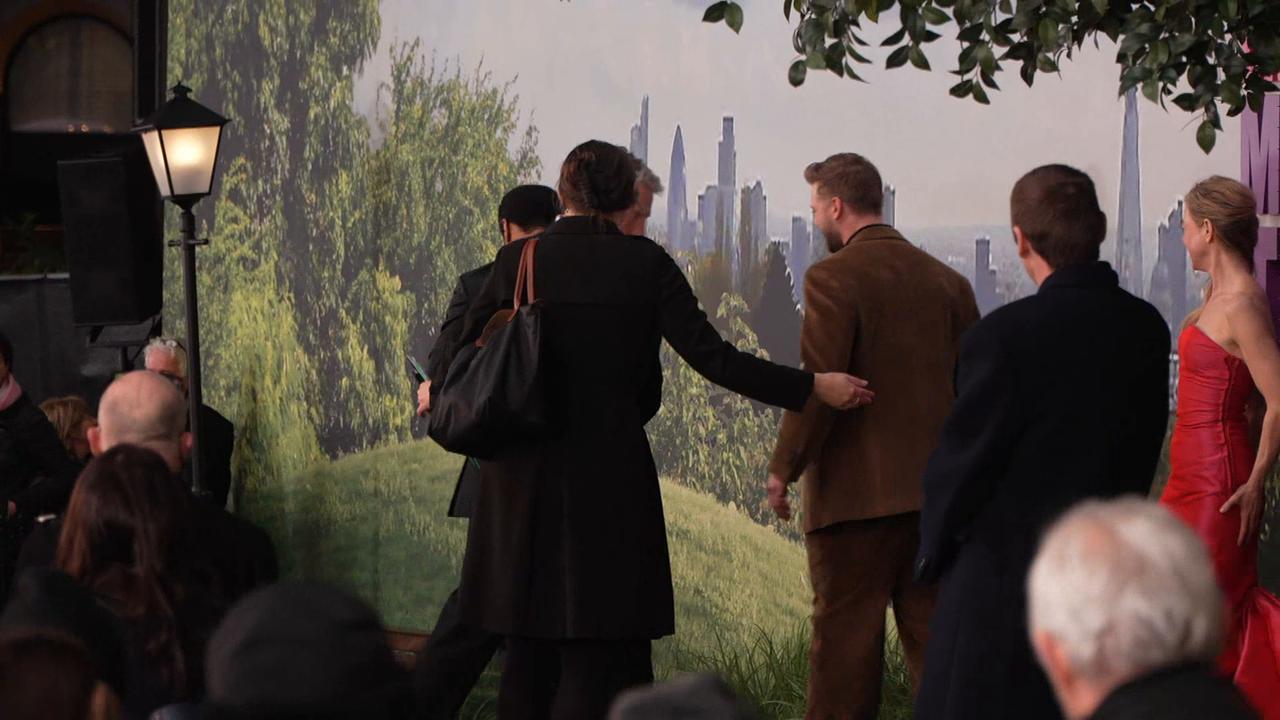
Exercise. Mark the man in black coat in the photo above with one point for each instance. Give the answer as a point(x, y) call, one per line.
point(457, 653)
point(1127, 619)
point(36, 473)
point(1061, 396)
point(168, 357)
point(142, 408)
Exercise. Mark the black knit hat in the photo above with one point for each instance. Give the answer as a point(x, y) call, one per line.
point(297, 650)
point(530, 206)
point(692, 697)
point(48, 600)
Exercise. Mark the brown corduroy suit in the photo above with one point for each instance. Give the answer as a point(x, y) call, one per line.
point(886, 311)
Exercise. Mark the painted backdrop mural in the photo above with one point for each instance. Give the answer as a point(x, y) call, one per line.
point(370, 145)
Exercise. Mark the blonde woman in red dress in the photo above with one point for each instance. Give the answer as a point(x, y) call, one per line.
point(1219, 465)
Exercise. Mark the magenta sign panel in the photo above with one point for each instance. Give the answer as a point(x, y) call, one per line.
point(1260, 169)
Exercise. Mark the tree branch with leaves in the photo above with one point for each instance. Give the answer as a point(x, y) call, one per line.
point(1197, 54)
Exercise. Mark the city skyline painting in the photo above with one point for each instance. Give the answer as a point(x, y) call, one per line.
point(951, 162)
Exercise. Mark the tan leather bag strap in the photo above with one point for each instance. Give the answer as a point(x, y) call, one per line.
point(524, 274)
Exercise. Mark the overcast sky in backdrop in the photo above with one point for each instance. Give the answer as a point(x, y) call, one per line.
point(582, 67)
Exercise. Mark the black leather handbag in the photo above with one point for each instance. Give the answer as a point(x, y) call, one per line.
point(492, 396)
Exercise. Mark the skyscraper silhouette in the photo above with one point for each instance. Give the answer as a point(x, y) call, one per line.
point(727, 182)
point(752, 234)
point(710, 215)
point(985, 289)
point(1169, 277)
point(677, 200)
point(799, 253)
point(640, 133)
point(1129, 228)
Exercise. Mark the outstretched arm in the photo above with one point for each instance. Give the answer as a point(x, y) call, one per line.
point(685, 326)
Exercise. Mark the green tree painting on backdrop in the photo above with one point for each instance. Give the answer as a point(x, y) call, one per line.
point(332, 254)
point(336, 240)
point(337, 255)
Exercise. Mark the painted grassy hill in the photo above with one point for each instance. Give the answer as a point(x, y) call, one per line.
point(375, 522)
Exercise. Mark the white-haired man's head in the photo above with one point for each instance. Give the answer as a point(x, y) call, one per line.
point(167, 356)
point(1120, 589)
point(635, 219)
point(143, 408)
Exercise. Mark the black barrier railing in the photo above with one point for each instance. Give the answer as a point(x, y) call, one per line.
point(52, 356)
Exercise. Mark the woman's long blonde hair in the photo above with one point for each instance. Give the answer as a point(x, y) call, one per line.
point(67, 415)
point(1231, 207)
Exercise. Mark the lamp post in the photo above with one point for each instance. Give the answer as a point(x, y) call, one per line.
point(182, 140)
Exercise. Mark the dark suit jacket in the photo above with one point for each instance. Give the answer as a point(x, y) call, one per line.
point(1187, 692)
point(884, 310)
point(219, 437)
point(1062, 396)
point(568, 538)
point(238, 555)
point(36, 472)
point(468, 288)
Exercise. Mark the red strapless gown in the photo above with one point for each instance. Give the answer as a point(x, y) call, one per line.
point(1211, 455)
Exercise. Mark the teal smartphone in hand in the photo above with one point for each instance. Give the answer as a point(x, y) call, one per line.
point(417, 369)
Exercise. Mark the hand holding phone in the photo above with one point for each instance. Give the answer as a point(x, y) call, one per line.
point(424, 398)
point(424, 386)
point(418, 372)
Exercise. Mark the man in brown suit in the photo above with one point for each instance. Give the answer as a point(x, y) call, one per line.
point(882, 309)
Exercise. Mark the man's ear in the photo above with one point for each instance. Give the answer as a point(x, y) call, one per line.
point(185, 444)
point(837, 207)
point(1053, 658)
point(95, 440)
point(1024, 246)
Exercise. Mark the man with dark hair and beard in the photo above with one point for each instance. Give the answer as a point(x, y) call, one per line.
point(457, 653)
point(882, 309)
point(1063, 396)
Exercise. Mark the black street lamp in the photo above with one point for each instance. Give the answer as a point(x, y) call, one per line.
point(182, 140)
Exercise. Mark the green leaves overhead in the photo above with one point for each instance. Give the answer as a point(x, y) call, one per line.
point(1163, 46)
point(797, 73)
point(729, 12)
point(1206, 135)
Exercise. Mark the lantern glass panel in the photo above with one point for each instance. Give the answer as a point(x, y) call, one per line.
point(151, 141)
point(191, 153)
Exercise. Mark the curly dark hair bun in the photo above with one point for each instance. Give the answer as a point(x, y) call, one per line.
point(598, 178)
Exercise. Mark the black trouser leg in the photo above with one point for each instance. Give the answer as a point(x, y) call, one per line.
point(451, 663)
point(569, 679)
point(594, 672)
point(530, 674)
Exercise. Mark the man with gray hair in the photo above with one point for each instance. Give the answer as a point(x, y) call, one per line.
point(167, 356)
point(1126, 618)
point(635, 219)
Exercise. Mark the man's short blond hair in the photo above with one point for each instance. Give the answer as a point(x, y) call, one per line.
point(850, 177)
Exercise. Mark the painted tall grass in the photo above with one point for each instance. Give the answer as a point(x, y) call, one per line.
point(375, 523)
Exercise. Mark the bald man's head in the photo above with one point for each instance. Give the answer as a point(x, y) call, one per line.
point(143, 408)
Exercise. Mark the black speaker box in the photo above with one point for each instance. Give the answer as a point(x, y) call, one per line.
point(113, 228)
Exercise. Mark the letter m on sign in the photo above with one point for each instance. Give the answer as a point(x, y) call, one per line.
point(1260, 169)
point(1260, 156)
